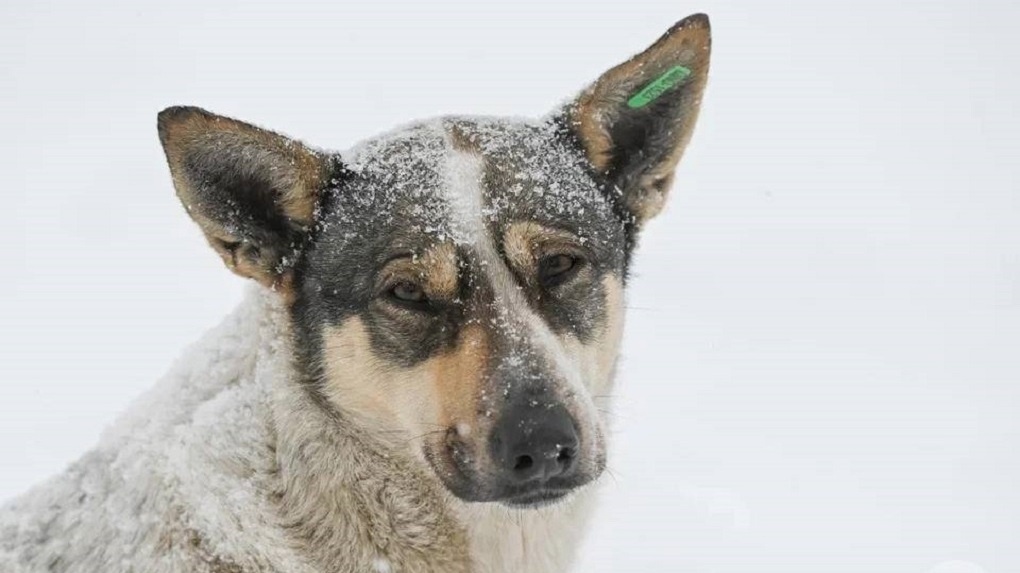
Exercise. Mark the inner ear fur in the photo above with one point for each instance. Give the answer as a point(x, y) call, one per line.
point(637, 147)
point(251, 191)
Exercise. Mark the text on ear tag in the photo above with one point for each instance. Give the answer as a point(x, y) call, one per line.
point(658, 86)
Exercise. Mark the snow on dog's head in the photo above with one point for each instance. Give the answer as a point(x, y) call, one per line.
point(455, 287)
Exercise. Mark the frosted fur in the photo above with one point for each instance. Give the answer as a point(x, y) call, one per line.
point(226, 467)
point(258, 455)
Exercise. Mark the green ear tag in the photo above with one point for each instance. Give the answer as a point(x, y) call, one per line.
point(652, 91)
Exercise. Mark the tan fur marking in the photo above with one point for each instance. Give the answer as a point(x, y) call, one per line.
point(519, 243)
point(524, 242)
point(356, 380)
point(435, 270)
point(458, 376)
point(437, 394)
point(608, 342)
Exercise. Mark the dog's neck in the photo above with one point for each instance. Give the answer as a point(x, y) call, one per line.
point(347, 497)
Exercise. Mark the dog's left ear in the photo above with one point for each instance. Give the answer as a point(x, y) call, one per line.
point(635, 121)
point(253, 192)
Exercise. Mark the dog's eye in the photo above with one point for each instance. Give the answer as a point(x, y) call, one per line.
point(408, 292)
point(555, 269)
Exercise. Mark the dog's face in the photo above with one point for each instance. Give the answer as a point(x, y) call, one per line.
point(464, 287)
point(456, 287)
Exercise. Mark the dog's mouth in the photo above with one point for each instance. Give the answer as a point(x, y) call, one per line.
point(536, 499)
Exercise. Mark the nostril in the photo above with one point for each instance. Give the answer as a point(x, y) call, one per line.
point(565, 455)
point(523, 463)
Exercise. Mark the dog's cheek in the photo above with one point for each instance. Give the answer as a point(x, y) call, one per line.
point(596, 357)
point(391, 401)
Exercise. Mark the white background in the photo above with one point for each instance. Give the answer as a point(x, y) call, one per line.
point(821, 367)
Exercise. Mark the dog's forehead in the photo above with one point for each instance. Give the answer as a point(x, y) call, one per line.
point(450, 177)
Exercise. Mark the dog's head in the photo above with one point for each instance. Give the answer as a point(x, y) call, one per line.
point(456, 286)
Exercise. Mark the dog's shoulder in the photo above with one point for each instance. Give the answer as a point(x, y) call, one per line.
point(188, 459)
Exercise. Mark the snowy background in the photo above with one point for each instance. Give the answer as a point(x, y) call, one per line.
point(822, 363)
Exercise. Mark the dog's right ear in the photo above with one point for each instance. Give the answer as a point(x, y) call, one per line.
point(253, 192)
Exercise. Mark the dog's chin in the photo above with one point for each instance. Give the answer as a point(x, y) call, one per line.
point(545, 496)
point(536, 499)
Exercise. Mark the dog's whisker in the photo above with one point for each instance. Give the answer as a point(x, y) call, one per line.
point(426, 434)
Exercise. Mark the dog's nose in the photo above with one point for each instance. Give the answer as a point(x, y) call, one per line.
point(533, 442)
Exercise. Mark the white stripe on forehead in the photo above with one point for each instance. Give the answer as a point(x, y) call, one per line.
point(462, 178)
point(463, 174)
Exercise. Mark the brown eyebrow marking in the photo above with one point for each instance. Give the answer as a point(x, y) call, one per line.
point(436, 268)
point(525, 241)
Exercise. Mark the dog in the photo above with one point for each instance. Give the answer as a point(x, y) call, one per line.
point(419, 380)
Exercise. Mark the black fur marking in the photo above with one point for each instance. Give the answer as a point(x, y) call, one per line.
point(643, 139)
point(243, 201)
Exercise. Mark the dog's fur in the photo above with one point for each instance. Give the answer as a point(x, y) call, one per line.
point(426, 299)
